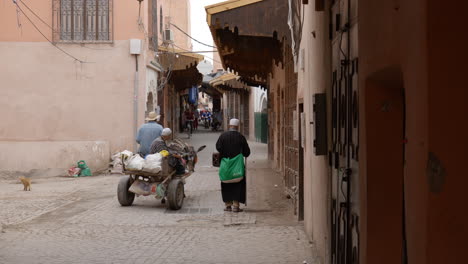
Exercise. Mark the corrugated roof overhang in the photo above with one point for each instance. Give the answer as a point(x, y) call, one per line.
point(250, 36)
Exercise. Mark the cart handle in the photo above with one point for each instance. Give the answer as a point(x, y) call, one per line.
point(168, 177)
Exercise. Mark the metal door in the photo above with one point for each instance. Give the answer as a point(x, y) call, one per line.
point(245, 113)
point(261, 127)
point(271, 123)
point(344, 126)
point(291, 133)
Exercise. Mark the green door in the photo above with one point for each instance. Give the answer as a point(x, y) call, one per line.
point(261, 127)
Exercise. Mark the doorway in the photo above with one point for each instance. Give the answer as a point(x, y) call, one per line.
point(385, 135)
point(301, 129)
point(149, 103)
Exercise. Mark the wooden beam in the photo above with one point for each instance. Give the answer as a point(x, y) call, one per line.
point(224, 6)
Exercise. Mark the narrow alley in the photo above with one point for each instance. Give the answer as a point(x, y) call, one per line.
point(79, 220)
point(350, 107)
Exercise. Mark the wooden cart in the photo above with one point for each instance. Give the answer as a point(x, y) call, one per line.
point(164, 185)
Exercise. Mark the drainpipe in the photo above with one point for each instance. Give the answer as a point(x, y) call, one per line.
point(135, 104)
point(135, 49)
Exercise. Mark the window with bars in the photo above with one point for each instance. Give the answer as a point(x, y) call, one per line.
point(83, 20)
point(153, 24)
point(160, 20)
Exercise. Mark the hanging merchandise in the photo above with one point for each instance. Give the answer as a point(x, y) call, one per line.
point(193, 95)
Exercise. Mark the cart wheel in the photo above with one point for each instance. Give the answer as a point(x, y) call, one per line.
point(175, 194)
point(125, 197)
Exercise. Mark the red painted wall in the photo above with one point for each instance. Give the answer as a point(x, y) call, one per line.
point(385, 120)
point(448, 130)
point(425, 40)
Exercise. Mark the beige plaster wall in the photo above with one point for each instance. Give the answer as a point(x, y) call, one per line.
point(48, 97)
point(315, 78)
point(42, 156)
point(125, 18)
point(178, 13)
point(9, 31)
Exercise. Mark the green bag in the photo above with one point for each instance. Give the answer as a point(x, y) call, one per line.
point(85, 171)
point(232, 170)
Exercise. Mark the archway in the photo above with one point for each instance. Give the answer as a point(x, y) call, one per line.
point(263, 105)
point(149, 103)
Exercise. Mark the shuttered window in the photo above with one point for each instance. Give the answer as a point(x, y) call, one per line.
point(153, 24)
point(83, 20)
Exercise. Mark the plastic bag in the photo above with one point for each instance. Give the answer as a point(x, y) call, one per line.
point(153, 163)
point(134, 163)
point(164, 153)
point(74, 172)
point(126, 153)
point(143, 188)
point(116, 164)
point(232, 170)
point(85, 170)
point(124, 156)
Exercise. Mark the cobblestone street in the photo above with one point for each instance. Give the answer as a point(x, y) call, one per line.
point(79, 220)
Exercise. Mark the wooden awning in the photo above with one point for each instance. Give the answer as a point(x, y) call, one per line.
point(207, 88)
point(184, 79)
point(223, 79)
point(229, 82)
point(176, 59)
point(227, 5)
point(250, 36)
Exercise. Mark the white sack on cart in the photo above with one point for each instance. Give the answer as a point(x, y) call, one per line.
point(125, 154)
point(153, 163)
point(134, 163)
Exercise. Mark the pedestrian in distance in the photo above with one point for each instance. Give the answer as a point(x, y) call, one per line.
point(217, 119)
point(195, 122)
point(147, 133)
point(205, 121)
point(233, 147)
point(208, 118)
point(189, 119)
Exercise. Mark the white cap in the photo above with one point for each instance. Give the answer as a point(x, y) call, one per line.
point(166, 132)
point(234, 122)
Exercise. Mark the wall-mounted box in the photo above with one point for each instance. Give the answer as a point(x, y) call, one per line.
point(135, 46)
point(320, 124)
